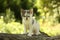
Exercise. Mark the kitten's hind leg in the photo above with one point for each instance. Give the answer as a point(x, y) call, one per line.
point(37, 32)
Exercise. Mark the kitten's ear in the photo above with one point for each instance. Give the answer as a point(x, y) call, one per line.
point(22, 12)
point(31, 11)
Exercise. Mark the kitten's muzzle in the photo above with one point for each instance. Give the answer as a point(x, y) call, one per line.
point(26, 18)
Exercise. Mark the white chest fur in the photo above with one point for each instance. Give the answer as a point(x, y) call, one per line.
point(32, 26)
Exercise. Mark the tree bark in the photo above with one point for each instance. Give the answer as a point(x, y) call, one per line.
point(5, 36)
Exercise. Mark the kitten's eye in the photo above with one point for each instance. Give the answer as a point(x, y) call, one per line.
point(28, 16)
point(28, 12)
point(24, 16)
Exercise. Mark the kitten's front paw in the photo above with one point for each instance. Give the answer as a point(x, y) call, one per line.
point(29, 34)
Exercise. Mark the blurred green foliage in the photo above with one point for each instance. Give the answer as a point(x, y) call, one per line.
point(47, 13)
point(11, 27)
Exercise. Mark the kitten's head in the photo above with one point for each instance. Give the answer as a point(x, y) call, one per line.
point(26, 14)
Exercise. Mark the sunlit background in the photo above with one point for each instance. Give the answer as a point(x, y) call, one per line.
point(46, 12)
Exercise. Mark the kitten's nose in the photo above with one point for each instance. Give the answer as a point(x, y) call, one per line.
point(26, 18)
